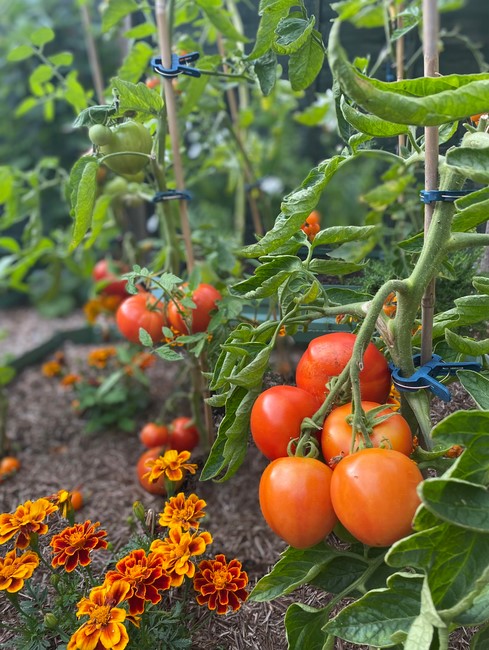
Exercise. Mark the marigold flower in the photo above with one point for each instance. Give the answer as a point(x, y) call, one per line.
point(143, 360)
point(183, 512)
point(390, 305)
point(110, 303)
point(28, 519)
point(70, 379)
point(73, 545)
point(62, 499)
point(105, 629)
point(394, 399)
point(14, 570)
point(92, 309)
point(176, 551)
point(221, 584)
point(146, 576)
point(171, 464)
point(98, 358)
point(51, 369)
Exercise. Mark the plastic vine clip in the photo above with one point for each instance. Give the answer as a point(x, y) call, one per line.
point(430, 196)
point(179, 65)
point(425, 375)
point(169, 195)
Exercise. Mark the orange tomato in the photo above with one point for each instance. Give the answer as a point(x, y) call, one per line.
point(9, 465)
point(77, 500)
point(312, 225)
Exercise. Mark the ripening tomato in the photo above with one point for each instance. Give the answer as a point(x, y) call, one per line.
point(153, 488)
point(154, 435)
point(9, 465)
point(295, 500)
point(327, 355)
point(276, 418)
point(77, 500)
point(312, 225)
point(142, 310)
point(336, 437)
point(374, 495)
point(104, 271)
point(205, 298)
point(152, 82)
point(183, 435)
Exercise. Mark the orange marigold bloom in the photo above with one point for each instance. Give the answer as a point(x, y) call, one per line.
point(394, 399)
point(390, 305)
point(62, 499)
point(176, 551)
point(92, 309)
point(171, 464)
point(110, 303)
point(105, 629)
point(146, 576)
point(98, 358)
point(28, 519)
point(144, 360)
point(221, 584)
point(183, 512)
point(51, 369)
point(70, 379)
point(14, 570)
point(73, 545)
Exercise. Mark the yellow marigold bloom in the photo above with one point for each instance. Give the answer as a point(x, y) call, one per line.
point(183, 512)
point(98, 358)
point(221, 584)
point(14, 570)
point(28, 519)
point(394, 399)
point(73, 545)
point(105, 629)
point(62, 499)
point(176, 551)
point(146, 576)
point(70, 379)
point(92, 309)
point(110, 303)
point(282, 331)
point(171, 465)
point(51, 369)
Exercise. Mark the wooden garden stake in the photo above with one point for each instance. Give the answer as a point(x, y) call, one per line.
point(171, 112)
point(93, 59)
point(430, 49)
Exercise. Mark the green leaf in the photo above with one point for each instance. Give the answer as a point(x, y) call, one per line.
point(221, 20)
point(137, 97)
point(20, 53)
point(471, 158)
point(136, 62)
point(468, 310)
point(140, 31)
point(7, 180)
point(378, 617)
point(7, 373)
point(253, 372)
point(269, 276)
point(10, 244)
point(362, 13)
point(266, 70)
point(145, 338)
point(421, 632)
point(477, 386)
point(334, 267)
point(271, 12)
point(481, 284)
point(40, 75)
point(61, 59)
point(85, 200)
point(292, 33)
point(74, 92)
point(480, 641)
point(99, 218)
point(470, 217)
point(387, 193)
point(42, 36)
point(370, 124)
point(427, 101)
point(465, 345)
point(306, 63)
point(341, 572)
point(167, 353)
point(304, 627)
point(342, 234)
point(459, 502)
point(94, 115)
point(116, 11)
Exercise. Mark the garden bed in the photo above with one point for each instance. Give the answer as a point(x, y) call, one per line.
point(55, 453)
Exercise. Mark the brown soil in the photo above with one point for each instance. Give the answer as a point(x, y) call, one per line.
point(48, 439)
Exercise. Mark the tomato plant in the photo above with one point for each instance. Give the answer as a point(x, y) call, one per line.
point(142, 310)
point(295, 500)
point(154, 435)
point(104, 273)
point(205, 297)
point(390, 433)
point(276, 418)
point(127, 136)
point(374, 495)
point(327, 355)
point(183, 435)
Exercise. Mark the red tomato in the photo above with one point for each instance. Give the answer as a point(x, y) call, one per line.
point(295, 500)
point(103, 271)
point(183, 434)
point(276, 418)
point(336, 437)
point(374, 495)
point(154, 435)
point(205, 298)
point(327, 355)
point(141, 310)
point(153, 488)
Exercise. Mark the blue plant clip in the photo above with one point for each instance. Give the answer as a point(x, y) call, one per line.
point(179, 64)
point(430, 196)
point(169, 195)
point(425, 376)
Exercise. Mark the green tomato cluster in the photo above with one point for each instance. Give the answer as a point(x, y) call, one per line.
point(128, 136)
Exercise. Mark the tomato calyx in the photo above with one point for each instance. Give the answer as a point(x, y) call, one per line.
point(306, 446)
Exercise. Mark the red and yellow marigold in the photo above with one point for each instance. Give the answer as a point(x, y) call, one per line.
point(27, 520)
point(182, 512)
point(74, 544)
point(172, 465)
point(221, 584)
point(14, 570)
point(176, 551)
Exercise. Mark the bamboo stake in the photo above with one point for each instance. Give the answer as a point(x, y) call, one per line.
point(430, 49)
point(171, 111)
point(92, 53)
point(400, 67)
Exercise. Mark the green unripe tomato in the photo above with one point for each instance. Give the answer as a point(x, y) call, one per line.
point(117, 185)
point(128, 136)
point(100, 135)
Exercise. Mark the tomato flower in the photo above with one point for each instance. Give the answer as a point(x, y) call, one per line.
point(98, 358)
point(14, 570)
point(176, 551)
point(183, 512)
point(145, 575)
point(221, 584)
point(105, 629)
point(51, 369)
point(73, 545)
point(171, 465)
point(27, 520)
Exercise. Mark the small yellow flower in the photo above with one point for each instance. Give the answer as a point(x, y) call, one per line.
point(15, 570)
point(171, 465)
point(62, 499)
point(92, 309)
point(51, 369)
point(176, 551)
point(28, 519)
point(183, 512)
point(98, 358)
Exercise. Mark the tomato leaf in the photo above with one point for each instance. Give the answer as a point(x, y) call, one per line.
point(471, 158)
point(480, 640)
point(253, 371)
point(471, 216)
point(84, 193)
point(271, 12)
point(136, 97)
point(334, 267)
point(477, 386)
point(307, 62)
point(304, 627)
point(342, 234)
point(272, 272)
point(266, 71)
point(465, 345)
point(468, 310)
point(460, 502)
point(221, 20)
point(116, 11)
point(292, 33)
point(136, 62)
point(370, 124)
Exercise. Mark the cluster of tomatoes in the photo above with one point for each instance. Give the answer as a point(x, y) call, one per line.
point(144, 310)
point(181, 434)
point(367, 487)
